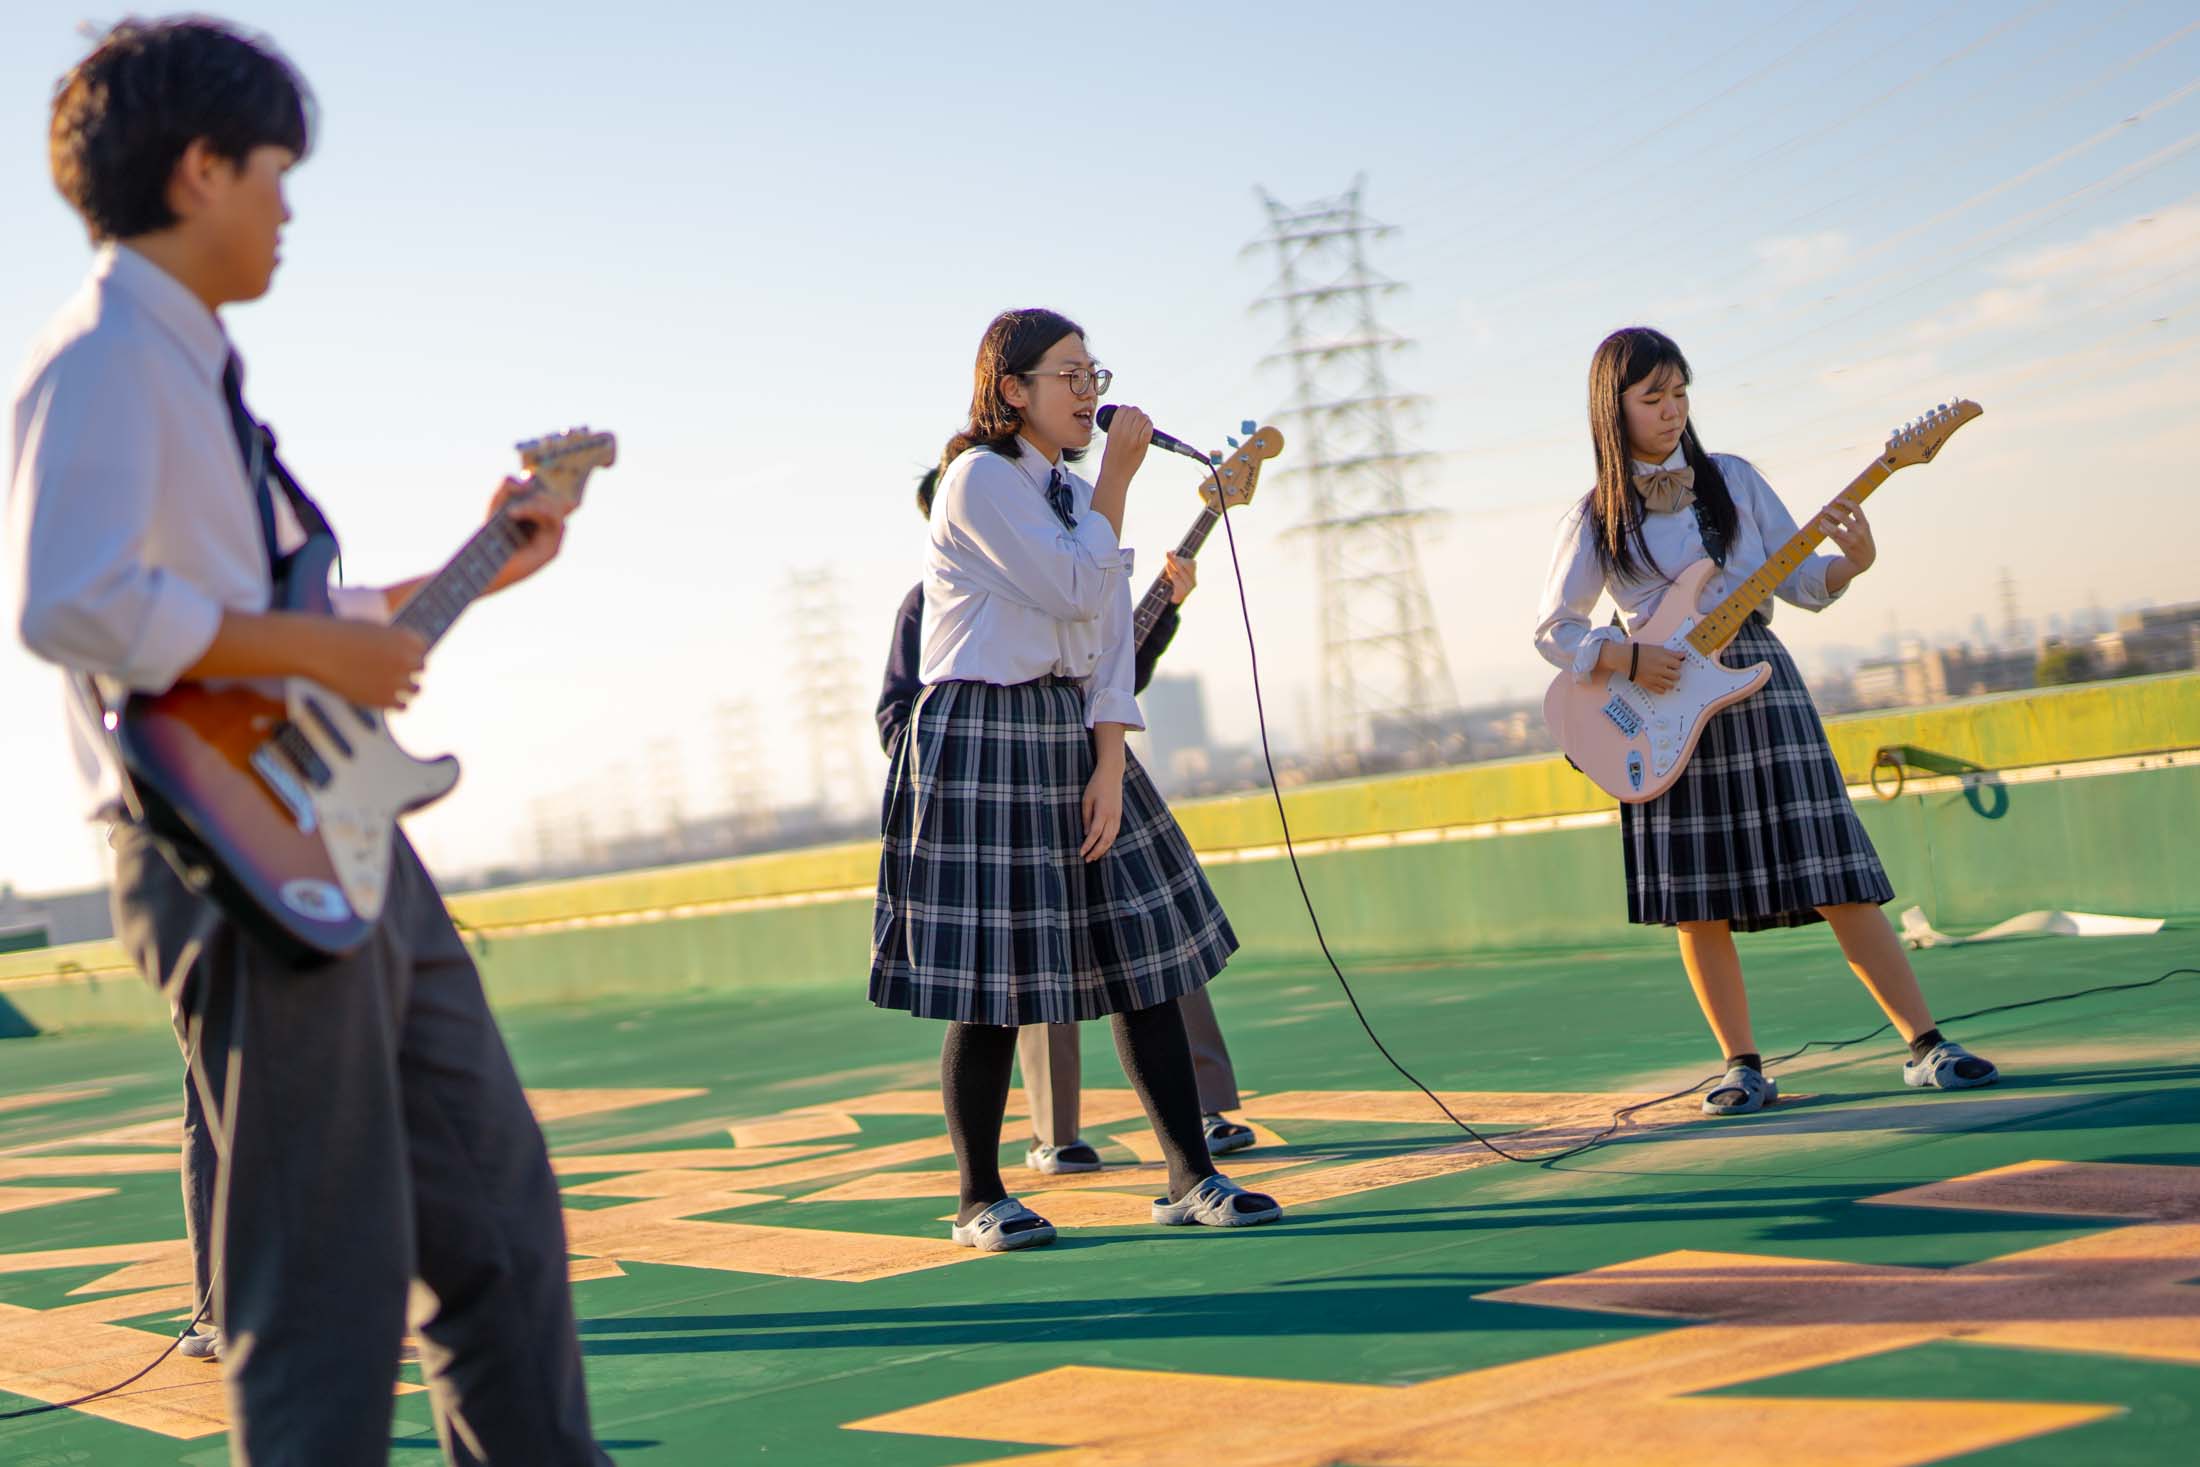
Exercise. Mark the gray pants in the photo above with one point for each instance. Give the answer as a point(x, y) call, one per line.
point(379, 1136)
point(1053, 1069)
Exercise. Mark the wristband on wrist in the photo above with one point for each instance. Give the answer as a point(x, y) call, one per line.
point(1634, 660)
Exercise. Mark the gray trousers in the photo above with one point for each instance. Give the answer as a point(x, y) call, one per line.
point(379, 1135)
point(1053, 1067)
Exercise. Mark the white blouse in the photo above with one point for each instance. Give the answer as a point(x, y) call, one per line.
point(1563, 632)
point(1011, 594)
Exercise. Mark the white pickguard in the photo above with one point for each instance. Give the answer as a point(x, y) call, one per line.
point(370, 782)
point(1669, 720)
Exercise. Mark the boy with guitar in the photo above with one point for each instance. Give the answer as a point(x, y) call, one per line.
point(368, 1121)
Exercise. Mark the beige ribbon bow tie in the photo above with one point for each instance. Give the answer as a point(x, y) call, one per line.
point(1665, 490)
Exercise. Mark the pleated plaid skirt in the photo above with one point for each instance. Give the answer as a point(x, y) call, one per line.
point(986, 913)
point(1759, 829)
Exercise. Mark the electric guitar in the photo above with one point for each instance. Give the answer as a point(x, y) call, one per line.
point(287, 795)
point(1230, 485)
point(1634, 743)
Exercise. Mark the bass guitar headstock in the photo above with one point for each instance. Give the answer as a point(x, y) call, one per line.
point(1236, 476)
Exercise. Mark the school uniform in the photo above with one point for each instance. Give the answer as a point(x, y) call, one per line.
point(986, 912)
point(1759, 830)
point(1051, 1055)
point(379, 1133)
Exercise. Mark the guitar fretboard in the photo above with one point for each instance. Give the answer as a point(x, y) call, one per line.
point(1721, 623)
point(436, 605)
point(1156, 600)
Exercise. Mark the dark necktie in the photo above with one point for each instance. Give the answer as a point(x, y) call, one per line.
point(1058, 499)
point(253, 445)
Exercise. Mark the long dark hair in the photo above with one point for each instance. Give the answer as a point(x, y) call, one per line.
point(1013, 345)
point(1627, 356)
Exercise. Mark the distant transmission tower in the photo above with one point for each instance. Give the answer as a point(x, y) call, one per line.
point(831, 710)
point(741, 764)
point(1381, 658)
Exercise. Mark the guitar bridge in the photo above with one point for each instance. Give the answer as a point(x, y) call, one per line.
point(274, 766)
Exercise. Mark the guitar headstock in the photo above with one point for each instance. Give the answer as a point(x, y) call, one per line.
point(560, 463)
point(1916, 442)
point(1235, 477)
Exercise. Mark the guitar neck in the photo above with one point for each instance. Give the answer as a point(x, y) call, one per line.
point(431, 610)
point(1721, 623)
point(1158, 595)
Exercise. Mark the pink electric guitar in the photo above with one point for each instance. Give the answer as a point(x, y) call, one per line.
point(1633, 742)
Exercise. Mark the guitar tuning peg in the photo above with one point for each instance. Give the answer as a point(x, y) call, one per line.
point(1231, 441)
point(1215, 456)
point(1247, 427)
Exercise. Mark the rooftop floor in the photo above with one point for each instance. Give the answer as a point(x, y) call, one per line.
point(1865, 1275)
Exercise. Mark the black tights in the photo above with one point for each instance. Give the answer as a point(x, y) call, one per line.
point(975, 1065)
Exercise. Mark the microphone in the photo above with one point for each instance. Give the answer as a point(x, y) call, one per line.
point(1106, 415)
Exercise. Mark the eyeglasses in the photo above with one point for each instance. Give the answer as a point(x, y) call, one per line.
point(1081, 380)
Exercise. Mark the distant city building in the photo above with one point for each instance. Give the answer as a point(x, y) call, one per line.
point(1176, 729)
point(2159, 639)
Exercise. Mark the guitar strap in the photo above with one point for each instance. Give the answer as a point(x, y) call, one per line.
point(257, 442)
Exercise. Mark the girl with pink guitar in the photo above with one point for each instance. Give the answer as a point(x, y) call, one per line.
point(1758, 831)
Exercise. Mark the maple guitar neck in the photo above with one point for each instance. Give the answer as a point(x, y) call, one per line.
point(1158, 595)
point(1721, 623)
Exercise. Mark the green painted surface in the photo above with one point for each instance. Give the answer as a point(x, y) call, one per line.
point(2121, 843)
point(692, 1366)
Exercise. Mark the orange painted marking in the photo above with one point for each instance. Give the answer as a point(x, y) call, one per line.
point(1409, 1107)
point(564, 1105)
point(1147, 1148)
point(800, 1126)
point(793, 1253)
point(2065, 1188)
point(13, 1168)
point(2124, 1292)
point(670, 1182)
point(37, 1099)
point(165, 1132)
point(23, 1199)
point(724, 1157)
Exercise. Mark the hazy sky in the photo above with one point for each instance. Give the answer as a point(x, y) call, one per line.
point(761, 245)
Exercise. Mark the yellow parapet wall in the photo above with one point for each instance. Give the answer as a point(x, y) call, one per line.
point(2007, 731)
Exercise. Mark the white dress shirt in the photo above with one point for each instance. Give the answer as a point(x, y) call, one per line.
point(131, 524)
point(1011, 594)
point(1563, 633)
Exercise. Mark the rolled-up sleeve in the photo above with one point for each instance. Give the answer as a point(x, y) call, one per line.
point(1111, 691)
point(79, 497)
point(1011, 545)
point(1805, 585)
point(1563, 634)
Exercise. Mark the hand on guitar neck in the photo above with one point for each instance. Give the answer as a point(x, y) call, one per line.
point(1183, 574)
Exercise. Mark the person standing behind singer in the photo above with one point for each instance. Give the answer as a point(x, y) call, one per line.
point(1029, 873)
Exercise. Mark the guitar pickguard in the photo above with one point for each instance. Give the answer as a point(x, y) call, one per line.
point(362, 782)
point(1670, 719)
